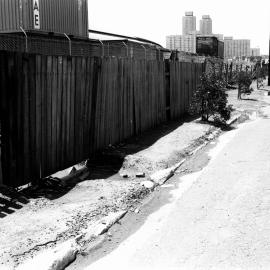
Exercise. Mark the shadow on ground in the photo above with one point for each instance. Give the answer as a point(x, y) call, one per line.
point(109, 161)
point(222, 126)
point(102, 165)
point(250, 99)
point(10, 201)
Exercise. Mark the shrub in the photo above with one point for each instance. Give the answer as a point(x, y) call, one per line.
point(244, 80)
point(210, 99)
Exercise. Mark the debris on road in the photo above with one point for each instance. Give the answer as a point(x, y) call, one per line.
point(148, 184)
point(140, 174)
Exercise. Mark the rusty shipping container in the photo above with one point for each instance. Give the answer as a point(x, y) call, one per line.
point(58, 16)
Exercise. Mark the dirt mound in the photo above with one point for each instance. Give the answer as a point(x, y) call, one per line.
point(166, 151)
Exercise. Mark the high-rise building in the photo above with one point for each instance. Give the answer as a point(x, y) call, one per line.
point(206, 25)
point(236, 47)
point(186, 43)
point(188, 23)
point(255, 52)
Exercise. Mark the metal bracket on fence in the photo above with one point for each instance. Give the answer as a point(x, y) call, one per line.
point(108, 45)
point(69, 41)
point(144, 51)
point(158, 54)
point(102, 47)
point(126, 47)
point(26, 39)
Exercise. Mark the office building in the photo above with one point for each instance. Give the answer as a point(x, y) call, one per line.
point(186, 43)
point(206, 25)
point(255, 52)
point(236, 47)
point(188, 23)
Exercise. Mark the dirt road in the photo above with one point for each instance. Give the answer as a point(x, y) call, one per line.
point(216, 218)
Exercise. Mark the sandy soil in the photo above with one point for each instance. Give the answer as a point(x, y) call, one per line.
point(42, 222)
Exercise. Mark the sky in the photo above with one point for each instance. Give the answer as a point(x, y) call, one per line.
point(155, 19)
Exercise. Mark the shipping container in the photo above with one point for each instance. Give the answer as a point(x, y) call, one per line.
point(57, 16)
point(209, 46)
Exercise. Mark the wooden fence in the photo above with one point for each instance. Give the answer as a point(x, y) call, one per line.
point(184, 78)
point(56, 111)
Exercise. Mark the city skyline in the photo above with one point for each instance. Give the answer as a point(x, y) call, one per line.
point(151, 20)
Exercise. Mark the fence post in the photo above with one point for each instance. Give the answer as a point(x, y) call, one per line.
point(221, 70)
point(227, 72)
point(144, 51)
point(167, 88)
point(102, 48)
point(231, 69)
point(69, 42)
point(126, 47)
point(26, 39)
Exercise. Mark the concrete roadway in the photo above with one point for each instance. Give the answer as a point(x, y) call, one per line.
point(217, 218)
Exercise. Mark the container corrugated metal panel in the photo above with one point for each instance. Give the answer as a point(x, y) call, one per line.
point(60, 16)
point(9, 14)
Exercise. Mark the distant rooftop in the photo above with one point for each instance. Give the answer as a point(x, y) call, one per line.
point(206, 16)
point(189, 13)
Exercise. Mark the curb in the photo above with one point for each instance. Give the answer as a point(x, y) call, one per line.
point(101, 226)
point(233, 119)
point(161, 176)
point(53, 259)
point(59, 257)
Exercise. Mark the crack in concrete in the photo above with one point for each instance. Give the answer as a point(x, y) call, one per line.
point(37, 248)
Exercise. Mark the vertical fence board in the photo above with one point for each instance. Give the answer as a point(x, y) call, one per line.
point(26, 122)
point(19, 116)
point(77, 107)
point(43, 115)
point(54, 94)
point(63, 112)
point(71, 147)
point(38, 123)
point(49, 113)
point(60, 102)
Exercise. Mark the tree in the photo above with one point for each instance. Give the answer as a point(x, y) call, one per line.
point(210, 99)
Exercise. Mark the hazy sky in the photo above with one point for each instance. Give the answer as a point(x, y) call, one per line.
point(154, 19)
